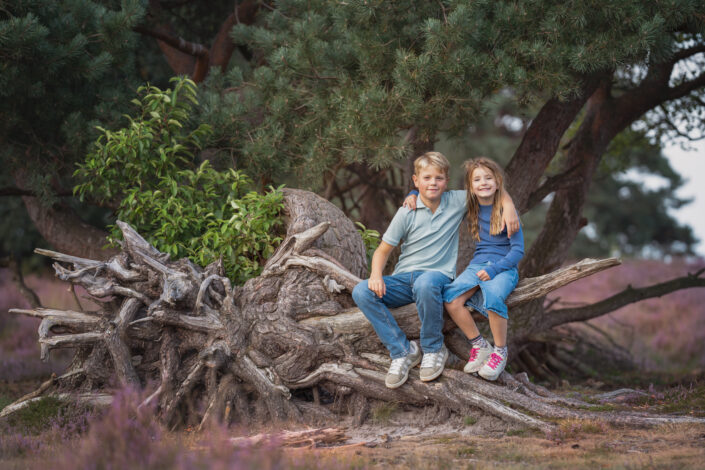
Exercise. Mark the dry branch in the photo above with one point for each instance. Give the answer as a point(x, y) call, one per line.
point(245, 352)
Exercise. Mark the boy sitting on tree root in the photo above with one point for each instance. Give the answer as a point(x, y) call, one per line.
point(425, 266)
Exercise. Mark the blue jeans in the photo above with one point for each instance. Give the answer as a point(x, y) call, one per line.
point(423, 287)
point(490, 296)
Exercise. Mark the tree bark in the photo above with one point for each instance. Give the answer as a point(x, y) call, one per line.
point(540, 143)
point(63, 228)
point(254, 346)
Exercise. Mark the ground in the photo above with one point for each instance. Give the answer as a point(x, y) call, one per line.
point(671, 380)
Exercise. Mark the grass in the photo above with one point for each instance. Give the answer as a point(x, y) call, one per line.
point(4, 401)
point(37, 415)
point(519, 432)
point(465, 451)
point(469, 420)
point(382, 413)
point(574, 428)
point(59, 439)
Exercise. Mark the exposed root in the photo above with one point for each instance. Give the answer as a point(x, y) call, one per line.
point(217, 353)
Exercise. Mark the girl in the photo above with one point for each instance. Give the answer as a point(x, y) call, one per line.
point(492, 273)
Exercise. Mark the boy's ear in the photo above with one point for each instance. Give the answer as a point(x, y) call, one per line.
point(415, 180)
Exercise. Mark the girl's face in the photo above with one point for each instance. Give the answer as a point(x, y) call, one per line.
point(483, 184)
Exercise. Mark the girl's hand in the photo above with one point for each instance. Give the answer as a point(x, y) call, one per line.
point(377, 286)
point(482, 274)
point(410, 202)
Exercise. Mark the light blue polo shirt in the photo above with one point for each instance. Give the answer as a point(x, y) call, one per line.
point(430, 239)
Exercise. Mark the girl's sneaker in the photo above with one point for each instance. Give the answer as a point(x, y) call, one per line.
point(493, 367)
point(478, 356)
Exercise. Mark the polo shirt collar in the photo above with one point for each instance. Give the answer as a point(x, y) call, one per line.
point(420, 204)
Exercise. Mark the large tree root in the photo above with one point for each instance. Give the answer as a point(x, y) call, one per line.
point(208, 351)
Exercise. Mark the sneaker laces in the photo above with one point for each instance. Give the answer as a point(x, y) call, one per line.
point(430, 359)
point(397, 364)
point(494, 360)
point(473, 353)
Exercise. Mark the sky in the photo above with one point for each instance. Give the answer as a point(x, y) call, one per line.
point(691, 165)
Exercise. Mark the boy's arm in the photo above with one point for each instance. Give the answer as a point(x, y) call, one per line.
point(510, 218)
point(379, 260)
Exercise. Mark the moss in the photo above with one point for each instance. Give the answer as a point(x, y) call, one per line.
point(382, 414)
point(4, 401)
point(469, 420)
point(38, 414)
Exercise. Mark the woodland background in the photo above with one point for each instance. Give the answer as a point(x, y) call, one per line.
point(338, 98)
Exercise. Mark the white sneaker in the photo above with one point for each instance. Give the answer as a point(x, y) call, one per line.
point(433, 364)
point(493, 367)
point(399, 369)
point(478, 356)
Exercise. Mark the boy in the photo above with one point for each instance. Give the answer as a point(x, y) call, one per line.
point(425, 266)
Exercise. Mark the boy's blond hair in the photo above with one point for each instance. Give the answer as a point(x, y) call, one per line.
point(436, 159)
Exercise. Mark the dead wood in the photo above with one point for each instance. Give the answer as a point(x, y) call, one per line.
point(268, 350)
point(307, 439)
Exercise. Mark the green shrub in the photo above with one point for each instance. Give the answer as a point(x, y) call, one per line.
point(149, 172)
point(370, 238)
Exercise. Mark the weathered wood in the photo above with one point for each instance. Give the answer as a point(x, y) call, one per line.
point(308, 438)
point(242, 350)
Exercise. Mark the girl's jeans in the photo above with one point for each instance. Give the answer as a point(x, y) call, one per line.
point(423, 287)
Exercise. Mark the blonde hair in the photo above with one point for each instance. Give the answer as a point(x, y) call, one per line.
point(474, 204)
point(436, 159)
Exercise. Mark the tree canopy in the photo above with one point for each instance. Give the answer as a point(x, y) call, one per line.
point(340, 96)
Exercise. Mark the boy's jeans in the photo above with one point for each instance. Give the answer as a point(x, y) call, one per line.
point(423, 287)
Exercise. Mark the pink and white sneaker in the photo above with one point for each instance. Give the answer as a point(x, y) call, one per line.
point(494, 366)
point(478, 356)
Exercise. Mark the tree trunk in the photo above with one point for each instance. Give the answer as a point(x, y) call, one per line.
point(202, 344)
point(63, 228)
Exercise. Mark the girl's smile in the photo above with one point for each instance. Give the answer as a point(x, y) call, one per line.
point(483, 185)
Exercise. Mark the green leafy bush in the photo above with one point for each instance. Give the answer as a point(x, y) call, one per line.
point(149, 172)
point(370, 238)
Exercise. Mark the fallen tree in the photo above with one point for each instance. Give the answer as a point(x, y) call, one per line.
point(207, 350)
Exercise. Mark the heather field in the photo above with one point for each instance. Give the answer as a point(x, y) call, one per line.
point(664, 336)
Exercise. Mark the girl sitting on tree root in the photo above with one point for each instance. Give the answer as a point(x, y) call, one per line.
point(492, 273)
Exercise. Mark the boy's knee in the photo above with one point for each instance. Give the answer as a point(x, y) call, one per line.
point(429, 283)
point(360, 291)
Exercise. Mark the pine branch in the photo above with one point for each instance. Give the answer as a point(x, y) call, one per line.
point(223, 46)
point(685, 87)
point(627, 296)
point(540, 143)
point(687, 52)
point(180, 44)
point(675, 128)
point(553, 183)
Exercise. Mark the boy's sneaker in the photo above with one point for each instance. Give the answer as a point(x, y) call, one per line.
point(433, 364)
point(478, 356)
point(493, 367)
point(399, 369)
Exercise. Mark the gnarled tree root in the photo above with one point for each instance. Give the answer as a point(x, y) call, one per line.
point(264, 351)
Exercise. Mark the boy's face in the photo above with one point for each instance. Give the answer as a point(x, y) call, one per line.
point(431, 182)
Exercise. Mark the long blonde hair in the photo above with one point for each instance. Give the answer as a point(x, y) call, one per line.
point(474, 204)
